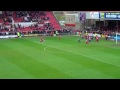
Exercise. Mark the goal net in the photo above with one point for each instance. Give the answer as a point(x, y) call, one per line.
point(116, 38)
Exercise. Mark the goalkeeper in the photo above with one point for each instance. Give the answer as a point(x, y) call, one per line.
point(18, 34)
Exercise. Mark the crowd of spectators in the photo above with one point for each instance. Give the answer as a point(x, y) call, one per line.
point(26, 16)
point(6, 17)
point(31, 16)
point(40, 17)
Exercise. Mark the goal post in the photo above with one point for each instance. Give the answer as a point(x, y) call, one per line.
point(116, 37)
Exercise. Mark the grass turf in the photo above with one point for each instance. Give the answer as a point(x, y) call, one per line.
point(24, 58)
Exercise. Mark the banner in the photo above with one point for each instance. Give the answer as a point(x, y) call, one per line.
point(112, 15)
point(92, 15)
point(82, 16)
point(30, 35)
point(26, 24)
point(9, 36)
point(102, 15)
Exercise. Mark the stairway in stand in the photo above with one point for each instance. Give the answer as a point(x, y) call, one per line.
point(53, 20)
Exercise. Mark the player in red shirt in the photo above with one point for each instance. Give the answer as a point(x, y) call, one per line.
point(51, 34)
point(41, 39)
point(59, 37)
point(87, 41)
point(97, 39)
point(106, 36)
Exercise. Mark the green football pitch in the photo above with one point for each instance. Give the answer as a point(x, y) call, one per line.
point(27, 58)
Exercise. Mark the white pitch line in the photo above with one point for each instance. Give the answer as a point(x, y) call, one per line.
point(51, 51)
point(81, 55)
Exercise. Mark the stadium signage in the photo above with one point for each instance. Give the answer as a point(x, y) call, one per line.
point(111, 15)
point(31, 35)
point(101, 15)
point(26, 24)
point(9, 36)
point(92, 15)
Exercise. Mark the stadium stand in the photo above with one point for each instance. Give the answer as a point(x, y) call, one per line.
point(53, 20)
point(28, 21)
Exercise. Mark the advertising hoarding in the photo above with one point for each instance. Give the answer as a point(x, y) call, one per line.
point(82, 16)
point(92, 15)
point(112, 15)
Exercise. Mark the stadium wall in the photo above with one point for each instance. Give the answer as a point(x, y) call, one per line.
point(26, 24)
point(9, 36)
